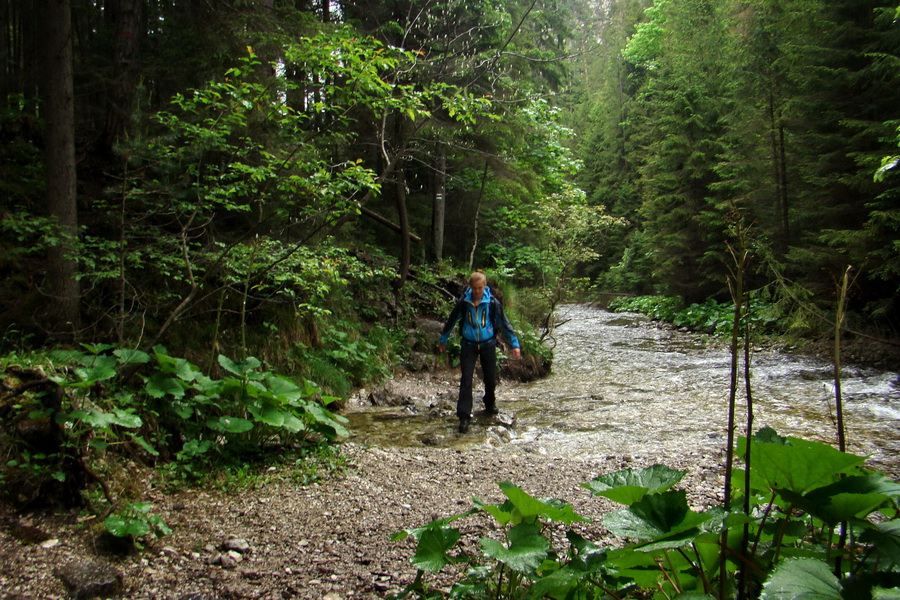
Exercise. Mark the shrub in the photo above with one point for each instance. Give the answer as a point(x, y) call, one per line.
point(798, 495)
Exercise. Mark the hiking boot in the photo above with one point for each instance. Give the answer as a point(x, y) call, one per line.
point(464, 424)
point(491, 409)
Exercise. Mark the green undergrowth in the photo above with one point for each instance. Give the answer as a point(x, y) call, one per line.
point(76, 426)
point(711, 316)
point(808, 522)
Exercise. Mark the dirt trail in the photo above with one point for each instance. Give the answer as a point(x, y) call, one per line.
point(329, 540)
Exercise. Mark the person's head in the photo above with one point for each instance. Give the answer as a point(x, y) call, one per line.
point(477, 282)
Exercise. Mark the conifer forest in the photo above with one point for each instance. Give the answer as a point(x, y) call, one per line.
point(239, 171)
point(221, 219)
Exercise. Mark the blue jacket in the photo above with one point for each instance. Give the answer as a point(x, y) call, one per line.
point(480, 323)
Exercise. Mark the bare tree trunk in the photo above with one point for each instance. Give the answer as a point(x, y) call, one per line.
point(484, 175)
point(59, 102)
point(781, 244)
point(439, 207)
point(785, 222)
point(126, 20)
point(403, 220)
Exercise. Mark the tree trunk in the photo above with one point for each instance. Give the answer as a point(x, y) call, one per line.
point(785, 221)
point(58, 99)
point(779, 168)
point(403, 221)
point(484, 175)
point(439, 207)
point(126, 22)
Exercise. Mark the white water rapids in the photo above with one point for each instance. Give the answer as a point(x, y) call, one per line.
point(621, 386)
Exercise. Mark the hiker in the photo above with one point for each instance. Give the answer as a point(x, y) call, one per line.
point(482, 319)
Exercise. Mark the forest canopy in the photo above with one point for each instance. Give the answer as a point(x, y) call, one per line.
point(220, 170)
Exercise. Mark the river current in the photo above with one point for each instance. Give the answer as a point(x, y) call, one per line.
point(622, 386)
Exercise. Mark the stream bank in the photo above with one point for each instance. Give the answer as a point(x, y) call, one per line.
point(605, 408)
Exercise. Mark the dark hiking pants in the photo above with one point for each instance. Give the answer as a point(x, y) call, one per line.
point(469, 352)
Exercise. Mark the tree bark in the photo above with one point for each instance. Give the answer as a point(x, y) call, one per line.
point(484, 175)
point(403, 220)
point(59, 102)
point(439, 207)
point(126, 22)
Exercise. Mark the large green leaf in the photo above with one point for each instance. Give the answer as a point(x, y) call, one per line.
point(527, 548)
point(802, 579)
point(119, 526)
point(140, 441)
point(529, 506)
point(847, 498)
point(87, 376)
point(416, 532)
point(271, 415)
point(160, 385)
point(229, 424)
point(180, 367)
point(292, 423)
point(284, 389)
point(886, 539)
point(663, 517)
point(799, 466)
point(100, 418)
point(630, 485)
point(326, 419)
point(129, 356)
point(242, 367)
point(434, 543)
point(503, 513)
point(556, 584)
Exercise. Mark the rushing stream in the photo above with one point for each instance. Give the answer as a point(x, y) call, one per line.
point(621, 386)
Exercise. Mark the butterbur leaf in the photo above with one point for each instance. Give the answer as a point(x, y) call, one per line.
point(630, 485)
point(122, 527)
point(128, 356)
point(416, 532)
point(556, 584)
point(527, 548)
point(529, 506)
point(799, 466)
point(846, 499)
point(664, 518)
point(590, 555)
point(431, 551)
point(885, 537)
point(292, 423)
point(160, 386)
point(271, 415)
point(182, 409)
point(802, 579)
point(503, 513)
point(143, 444)
point(241, 368)
point(284, 389)
point(228, 424)
point(125, 419)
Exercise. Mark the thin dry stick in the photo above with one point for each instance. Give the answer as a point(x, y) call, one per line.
point(838, 400)
point(736, 285)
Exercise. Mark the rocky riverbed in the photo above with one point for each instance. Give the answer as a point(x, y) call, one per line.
point(329, 540)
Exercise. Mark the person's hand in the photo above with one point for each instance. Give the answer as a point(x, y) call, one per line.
point(516, 353)
point(440, 348)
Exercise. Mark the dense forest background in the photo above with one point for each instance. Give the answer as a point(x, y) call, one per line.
point(267, 176)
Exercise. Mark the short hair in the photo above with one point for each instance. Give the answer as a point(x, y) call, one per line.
point(477, 276)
